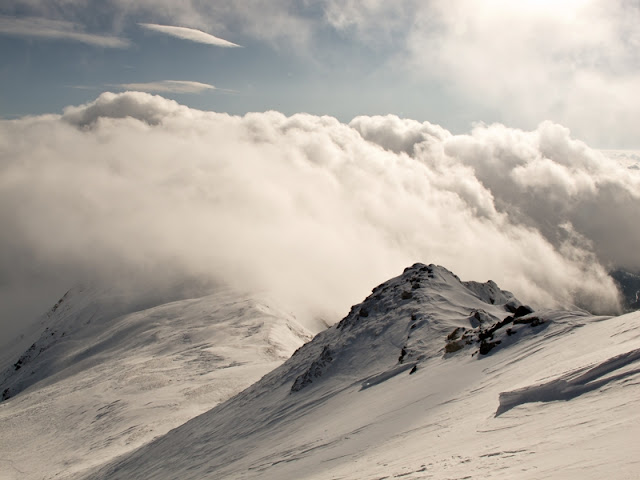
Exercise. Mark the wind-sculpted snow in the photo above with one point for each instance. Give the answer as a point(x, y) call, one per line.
point(378, 396)
point(576, 383)
point(135, 189)
point(107, 374)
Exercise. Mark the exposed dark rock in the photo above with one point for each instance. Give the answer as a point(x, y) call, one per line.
point(629, 286)
point(480, 317)
point(455, 334)
point(522, 310)
point(510, 307)
point(486, 347)
point(315, 370)
point(531, 321)
point(453, 347)
point(58, 303)
point(484, 334)
point(403, 353)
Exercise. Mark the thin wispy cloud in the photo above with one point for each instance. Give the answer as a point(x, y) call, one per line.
point(167, 86)
point(83, 87)
point(190, 34)
point(57, 30)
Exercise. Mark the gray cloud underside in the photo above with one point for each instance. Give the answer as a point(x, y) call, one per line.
point(134, 188)
point(56, 30)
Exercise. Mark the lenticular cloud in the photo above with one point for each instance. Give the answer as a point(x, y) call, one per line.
point(135, 188)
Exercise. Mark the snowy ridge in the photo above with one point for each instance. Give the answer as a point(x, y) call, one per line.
point(405, 321)
point(108, 373)
point(351, 405)
point(83, 312)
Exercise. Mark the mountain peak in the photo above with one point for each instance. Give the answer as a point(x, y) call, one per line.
point(426, 311)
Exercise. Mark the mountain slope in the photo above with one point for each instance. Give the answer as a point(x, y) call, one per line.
point(429, 377)
point(109, 373)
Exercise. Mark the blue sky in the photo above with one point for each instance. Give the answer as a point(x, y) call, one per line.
point(453, 63)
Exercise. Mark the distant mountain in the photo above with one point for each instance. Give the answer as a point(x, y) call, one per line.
point(109, 371)
point(429, 377)
point(629, 285)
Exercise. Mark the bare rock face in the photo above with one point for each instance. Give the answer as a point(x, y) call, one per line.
point(315, 370)
point(425, 312)
point(629, 285)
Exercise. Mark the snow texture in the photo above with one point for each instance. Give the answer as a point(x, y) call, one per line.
point(108, 373)
point(381, 397)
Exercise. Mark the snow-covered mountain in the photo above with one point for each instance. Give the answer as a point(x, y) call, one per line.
point(429, 377)
point(107, 372)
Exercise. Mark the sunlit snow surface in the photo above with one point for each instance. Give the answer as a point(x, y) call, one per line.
point(109, 374)
point(362, 415)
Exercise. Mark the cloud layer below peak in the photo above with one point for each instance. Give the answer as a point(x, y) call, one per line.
point(311, 209)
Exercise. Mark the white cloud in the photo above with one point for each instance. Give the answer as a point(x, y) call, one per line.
point(134, 189)
point(376, 22)
point(150, 109)
point(168, 86)
point(191, 34)
point(574, 62)
point(56, 30)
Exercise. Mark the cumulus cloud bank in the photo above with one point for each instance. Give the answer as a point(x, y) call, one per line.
point(317, 212)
